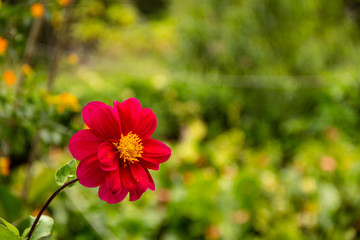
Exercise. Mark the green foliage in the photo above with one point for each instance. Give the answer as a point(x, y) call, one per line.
point(6, 233)
point(10, 227)
point(66, 173)
point(10, 205)
point(43, 227)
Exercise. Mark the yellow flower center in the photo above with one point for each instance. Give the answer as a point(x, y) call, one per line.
point(129, 147)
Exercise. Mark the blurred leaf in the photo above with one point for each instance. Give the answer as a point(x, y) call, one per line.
point(7, 234)
point(329, 198)
point(42, 184)
point(10, 205)
point(247, 190)
point(43, 227)
point(66, 173)
point(26, 232)
point(10, 226)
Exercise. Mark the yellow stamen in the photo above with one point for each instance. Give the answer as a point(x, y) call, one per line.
point(129, 147)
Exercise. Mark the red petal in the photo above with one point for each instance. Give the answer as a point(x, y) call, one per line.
point(151, 181)
point(112, 191)
point(108, 157)
point(140, 176)
point(155, 151)
point(135, 180)
point(83, 144)
point(113, 181)
point(107, 195)
point(147, 124)
point(149, 165)
point(129, 113)
point(89, 172)
point(102, 120)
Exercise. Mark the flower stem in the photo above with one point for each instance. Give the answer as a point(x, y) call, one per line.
point(47, 204)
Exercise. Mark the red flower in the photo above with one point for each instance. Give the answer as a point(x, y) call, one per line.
point(116, 151)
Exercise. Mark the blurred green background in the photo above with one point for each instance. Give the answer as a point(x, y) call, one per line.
point(258, 99)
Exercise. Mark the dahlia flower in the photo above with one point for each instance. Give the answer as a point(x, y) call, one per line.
point(117, 150)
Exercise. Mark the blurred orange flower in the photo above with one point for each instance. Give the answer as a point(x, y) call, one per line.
point(328, 164)
point(241, 216)
point(64, 101)
point(3, 45)
point(212, 232)
point(69, 100)
point(164, 195)
point(5, 166)
point(9, 77)
point(37, 10)
point(27, 69)
point(73, 59)
point(64, 3)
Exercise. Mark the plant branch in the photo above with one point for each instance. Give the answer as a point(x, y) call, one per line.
point(60, 40)
point(29, 51)
point(47, 204)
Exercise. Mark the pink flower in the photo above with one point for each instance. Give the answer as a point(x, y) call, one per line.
point(116, 151)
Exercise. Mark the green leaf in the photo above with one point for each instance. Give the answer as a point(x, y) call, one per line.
point(7, 234)
point(10, 226)
point(10, 205)
point(43, 227)
point(66, 173)
point(25, 233)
